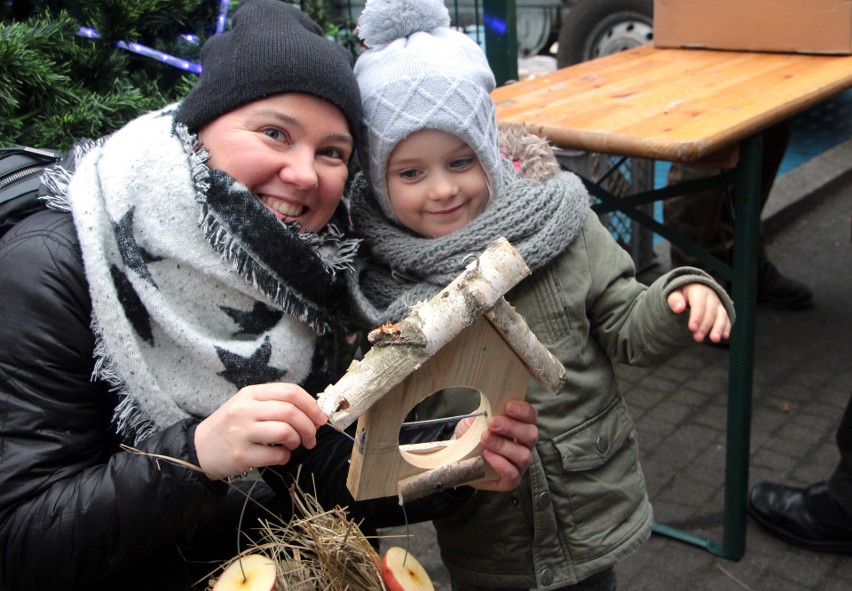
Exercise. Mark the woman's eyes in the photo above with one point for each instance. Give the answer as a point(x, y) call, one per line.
point(335, 153)
point(274, 133)
point(280, 135)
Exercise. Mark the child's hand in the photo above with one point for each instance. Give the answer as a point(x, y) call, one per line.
point(507, 445)
point(707, 315)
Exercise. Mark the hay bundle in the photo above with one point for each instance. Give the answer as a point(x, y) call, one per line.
point(315, 550)
point(318, 549)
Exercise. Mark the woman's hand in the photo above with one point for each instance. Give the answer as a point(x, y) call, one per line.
point(507, 444)
point(707, 315)
point(259, 426)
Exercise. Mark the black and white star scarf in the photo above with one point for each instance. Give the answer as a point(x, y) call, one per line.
point(197, 290)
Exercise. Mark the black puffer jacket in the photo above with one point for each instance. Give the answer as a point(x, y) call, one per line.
point(77, 511)
point(74, 508)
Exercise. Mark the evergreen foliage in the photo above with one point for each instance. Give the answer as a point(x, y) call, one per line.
point(57, 86)
point(335, 21)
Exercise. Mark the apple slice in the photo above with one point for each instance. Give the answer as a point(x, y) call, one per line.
point(254, 572)
point(410, 576)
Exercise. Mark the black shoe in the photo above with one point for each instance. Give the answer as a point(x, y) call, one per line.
point(805, 517)
point(774, 290)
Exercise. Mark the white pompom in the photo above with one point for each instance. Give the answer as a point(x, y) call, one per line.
point(384, 21)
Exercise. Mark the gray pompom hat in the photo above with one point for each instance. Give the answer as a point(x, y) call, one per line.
point(418, 73)
point(272, 48)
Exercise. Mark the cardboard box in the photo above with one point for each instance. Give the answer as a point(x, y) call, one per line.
point(798, 26)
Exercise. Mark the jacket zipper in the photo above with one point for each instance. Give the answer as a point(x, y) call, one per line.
point(21, 174)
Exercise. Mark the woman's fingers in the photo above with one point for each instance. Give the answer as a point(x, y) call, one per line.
point(292, 394)
point(259, 426)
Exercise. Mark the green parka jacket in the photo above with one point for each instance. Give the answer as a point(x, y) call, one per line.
point(582, 506)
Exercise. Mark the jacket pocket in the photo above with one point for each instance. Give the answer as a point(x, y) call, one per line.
point(600, 489)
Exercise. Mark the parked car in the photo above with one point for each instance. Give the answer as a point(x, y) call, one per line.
point(584, 28)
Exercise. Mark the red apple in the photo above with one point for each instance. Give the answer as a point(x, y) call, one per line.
point(402, 572)
point(254, 572)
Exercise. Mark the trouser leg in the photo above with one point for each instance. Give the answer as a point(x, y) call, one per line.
point(705, 217)
point(840, 482)
point(699, 217)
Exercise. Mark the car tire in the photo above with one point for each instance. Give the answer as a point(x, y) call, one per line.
point(594, 28)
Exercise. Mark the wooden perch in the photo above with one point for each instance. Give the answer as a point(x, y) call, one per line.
point(429, 326)
point(441, 479)
point(538, 359)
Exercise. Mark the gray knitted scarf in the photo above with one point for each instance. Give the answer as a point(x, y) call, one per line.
point(197, 290)
point(539, 218)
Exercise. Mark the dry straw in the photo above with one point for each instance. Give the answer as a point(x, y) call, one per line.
point(316, 550)
point(320, 549)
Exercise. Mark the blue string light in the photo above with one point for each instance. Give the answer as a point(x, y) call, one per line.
point(222, 19)
point(498, 25)
point(138, 48)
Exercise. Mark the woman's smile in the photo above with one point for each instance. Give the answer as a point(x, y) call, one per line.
point(282, 208)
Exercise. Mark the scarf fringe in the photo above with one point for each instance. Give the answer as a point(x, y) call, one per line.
point(198, 156)
point(56, 178)
point(131, 421)
point(340, 257)
point(257, 275)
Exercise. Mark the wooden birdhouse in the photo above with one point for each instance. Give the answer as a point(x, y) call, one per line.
point(467, 336)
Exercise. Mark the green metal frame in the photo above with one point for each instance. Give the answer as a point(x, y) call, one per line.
point(501, 39)
point(743, 276)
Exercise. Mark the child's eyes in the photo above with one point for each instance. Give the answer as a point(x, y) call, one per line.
point(461, 163)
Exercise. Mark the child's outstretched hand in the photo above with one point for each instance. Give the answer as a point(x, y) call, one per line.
point(707, 315)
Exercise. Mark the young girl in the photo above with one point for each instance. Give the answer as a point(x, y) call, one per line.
point(435, 188)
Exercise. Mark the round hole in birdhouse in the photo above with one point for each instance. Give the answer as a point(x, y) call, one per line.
point(438, 415)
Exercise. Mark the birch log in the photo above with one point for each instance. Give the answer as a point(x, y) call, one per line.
point(441, 479)
point(538, 359)
point(401, 348)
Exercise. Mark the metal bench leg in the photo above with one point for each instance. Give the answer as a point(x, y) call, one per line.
point(741, 363)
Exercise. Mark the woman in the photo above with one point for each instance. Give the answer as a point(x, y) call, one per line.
point(178, 299)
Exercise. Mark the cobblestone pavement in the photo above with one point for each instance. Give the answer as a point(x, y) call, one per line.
point(802, 381)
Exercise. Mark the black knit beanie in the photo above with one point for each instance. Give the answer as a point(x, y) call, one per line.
point(272, 48)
